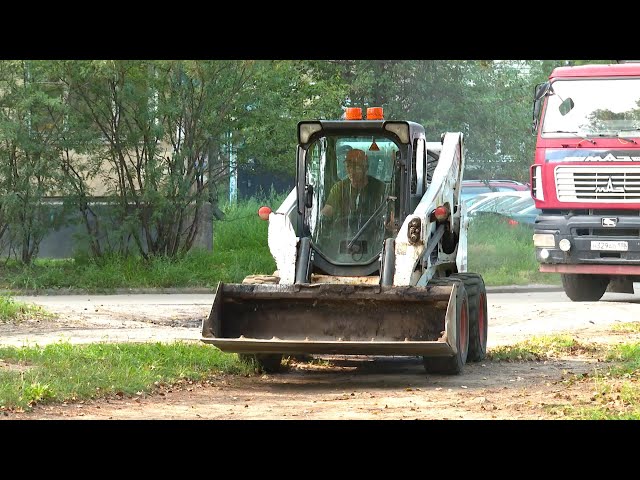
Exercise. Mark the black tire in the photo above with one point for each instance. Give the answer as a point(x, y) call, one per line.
point(583, 287)
point(454, 364)
point(265, 362)
point(478, 317)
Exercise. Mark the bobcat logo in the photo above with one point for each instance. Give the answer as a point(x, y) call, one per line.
point(609, 221)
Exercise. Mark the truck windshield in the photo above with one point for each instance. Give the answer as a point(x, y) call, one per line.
point(353, 178)
point(603, 107)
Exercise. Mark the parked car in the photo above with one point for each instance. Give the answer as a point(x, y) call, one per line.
point(495, 202)
point(513, 208)
point(526, 215)
point(471, 188)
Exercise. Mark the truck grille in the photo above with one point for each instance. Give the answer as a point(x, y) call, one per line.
point(598, 184)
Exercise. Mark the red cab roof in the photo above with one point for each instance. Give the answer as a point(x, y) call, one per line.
point(604, 70)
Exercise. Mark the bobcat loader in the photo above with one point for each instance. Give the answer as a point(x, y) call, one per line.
point(391, 281)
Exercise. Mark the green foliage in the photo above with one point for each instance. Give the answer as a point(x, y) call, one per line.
point(240, 249)
point(617, 395)
point(540, 348)
point(629, 355)
point(157, 137)
point(504, 254)
point(30, 97)
point(12, 310)
point(279, 95)
point(626, 327)
point(240, 241)
point(501, 253)
point(62, 372)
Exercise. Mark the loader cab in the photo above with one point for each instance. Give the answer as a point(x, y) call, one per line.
point(353, 186)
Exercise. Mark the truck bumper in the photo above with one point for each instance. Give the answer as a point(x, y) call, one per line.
point(606, 249)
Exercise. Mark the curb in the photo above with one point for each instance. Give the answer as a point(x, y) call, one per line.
point(524, 288)
point(115, 291)
point(207, 290)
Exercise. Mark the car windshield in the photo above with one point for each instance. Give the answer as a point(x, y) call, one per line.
point(528, 210)
point(496, 201)
point(473, 192)
point(520, 204)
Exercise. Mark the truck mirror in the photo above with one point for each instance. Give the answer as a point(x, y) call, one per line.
point(536, 115)
point(541, 90)
point(566, 106)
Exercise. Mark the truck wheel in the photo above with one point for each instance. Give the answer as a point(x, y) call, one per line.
point(266, 362)
point(478, 318)
point(581, 287)
point(453, 365)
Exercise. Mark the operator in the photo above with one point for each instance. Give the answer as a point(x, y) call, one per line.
point(359, 193)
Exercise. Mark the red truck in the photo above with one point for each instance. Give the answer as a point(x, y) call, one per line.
point(585, 178)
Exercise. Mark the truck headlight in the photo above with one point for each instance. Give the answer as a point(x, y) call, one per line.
point(544, 240)
point(564, 244)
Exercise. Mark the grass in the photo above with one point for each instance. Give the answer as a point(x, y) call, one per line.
point(540, 348)
point(240, 249)
point(61, 372)
point(503, 254)
point(617, 393)
point(11, 310)
point(614, 381)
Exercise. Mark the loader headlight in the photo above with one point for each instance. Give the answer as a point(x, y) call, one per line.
point(401, 129)
point(414, 230)
point(306, 129)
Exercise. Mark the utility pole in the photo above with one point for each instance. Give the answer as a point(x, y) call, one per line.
point(233, 174)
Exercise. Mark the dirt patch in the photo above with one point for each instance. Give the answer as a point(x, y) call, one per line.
point(378, 388)
point(329, 387)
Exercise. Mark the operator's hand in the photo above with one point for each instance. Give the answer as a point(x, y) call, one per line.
point(326, 211)
point(390, 225)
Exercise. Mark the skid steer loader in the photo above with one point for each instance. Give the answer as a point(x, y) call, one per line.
point(390, 280)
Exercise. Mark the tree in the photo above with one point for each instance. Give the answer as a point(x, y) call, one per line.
point(29, 147)
point(155, 128)
point(278, 96)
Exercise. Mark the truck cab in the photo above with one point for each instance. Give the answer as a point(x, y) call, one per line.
point(585, 178)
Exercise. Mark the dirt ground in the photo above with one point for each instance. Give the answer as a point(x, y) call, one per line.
point(327, 388)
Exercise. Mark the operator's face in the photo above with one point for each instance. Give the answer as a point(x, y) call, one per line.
point(357, 172)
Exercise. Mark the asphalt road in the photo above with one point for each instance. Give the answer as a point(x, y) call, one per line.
point(514, 313)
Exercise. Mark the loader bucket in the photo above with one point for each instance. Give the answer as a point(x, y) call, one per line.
point(333, 319)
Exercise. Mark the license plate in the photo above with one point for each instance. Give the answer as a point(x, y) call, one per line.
point(615, 246)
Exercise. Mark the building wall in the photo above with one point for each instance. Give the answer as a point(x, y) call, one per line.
point(259, 183)
point(66, 241)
